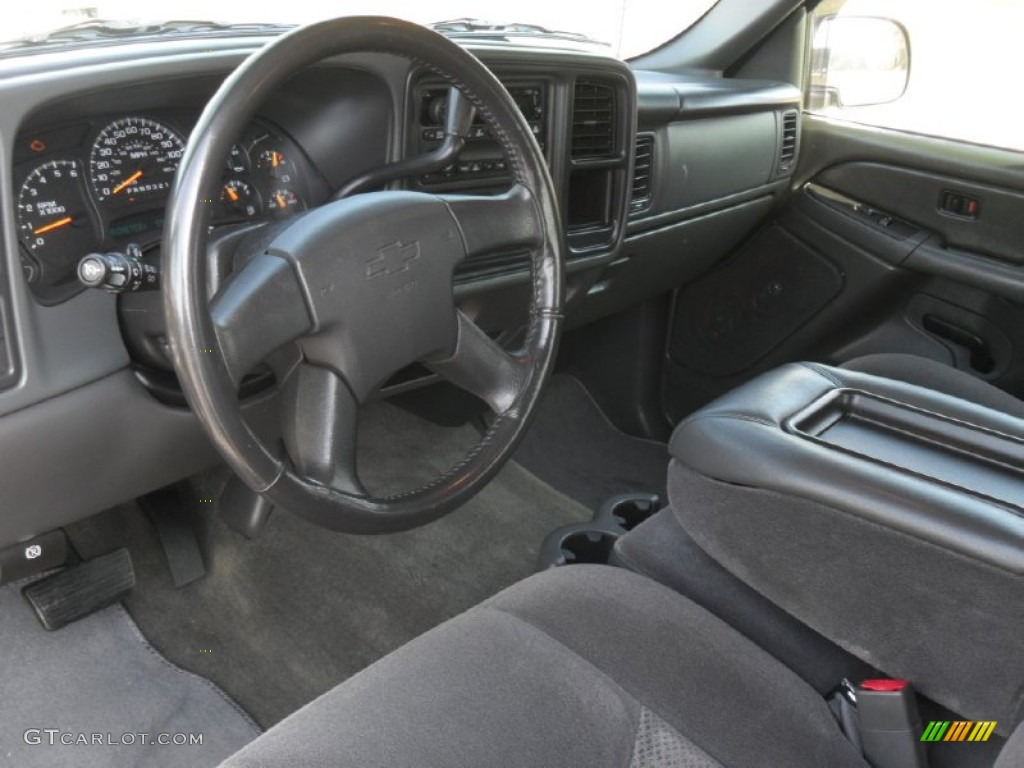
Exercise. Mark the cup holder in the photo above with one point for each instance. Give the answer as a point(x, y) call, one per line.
point(586, 546)
point(593, 542)
point(628, 511)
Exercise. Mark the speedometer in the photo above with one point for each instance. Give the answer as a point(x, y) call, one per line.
point(134, 158)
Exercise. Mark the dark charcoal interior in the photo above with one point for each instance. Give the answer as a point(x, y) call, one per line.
point(662, 411)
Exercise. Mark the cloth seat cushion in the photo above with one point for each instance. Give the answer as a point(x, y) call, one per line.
point(583, 665)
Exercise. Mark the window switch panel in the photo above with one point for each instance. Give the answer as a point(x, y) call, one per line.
point(958, 204)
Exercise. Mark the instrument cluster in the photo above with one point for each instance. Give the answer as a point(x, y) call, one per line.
point(101, 186)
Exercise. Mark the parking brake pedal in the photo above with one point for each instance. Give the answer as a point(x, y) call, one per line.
point(76, 592)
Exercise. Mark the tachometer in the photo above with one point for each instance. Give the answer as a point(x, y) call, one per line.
point(53, 217)
point(134, 158)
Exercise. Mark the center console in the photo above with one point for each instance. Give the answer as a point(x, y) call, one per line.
point(886, 516)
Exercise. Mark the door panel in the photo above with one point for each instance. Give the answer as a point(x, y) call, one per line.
point(947, 285)
point(965, 215)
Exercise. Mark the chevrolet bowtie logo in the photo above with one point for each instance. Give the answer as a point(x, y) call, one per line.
point(392, 259)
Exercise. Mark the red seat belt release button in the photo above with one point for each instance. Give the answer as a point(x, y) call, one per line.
point(890, 726)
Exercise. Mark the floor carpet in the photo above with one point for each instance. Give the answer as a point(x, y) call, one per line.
point(99, 680)
point(279, 620)
point(574, 447)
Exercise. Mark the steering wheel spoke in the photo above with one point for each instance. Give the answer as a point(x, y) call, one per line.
point(259, 311)
point(320, 425)
point(507, 222)
point(482, 367)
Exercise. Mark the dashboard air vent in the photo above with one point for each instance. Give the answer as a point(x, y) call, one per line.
point(643, 166)
point(787, 146)
point(593, 121)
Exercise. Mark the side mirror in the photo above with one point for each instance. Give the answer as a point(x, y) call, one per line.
point(858, 61)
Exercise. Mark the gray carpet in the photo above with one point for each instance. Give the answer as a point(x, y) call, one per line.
point(280, 620)
point(574, 447)
point(100, 676)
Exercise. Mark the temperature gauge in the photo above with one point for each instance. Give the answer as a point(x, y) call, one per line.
point(240, 199)
point(274, 163)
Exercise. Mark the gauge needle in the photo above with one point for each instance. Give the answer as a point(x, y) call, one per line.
point(281, 202)
point(52, 226)
point(232, 194)
point(275, 159)
point(127, 182)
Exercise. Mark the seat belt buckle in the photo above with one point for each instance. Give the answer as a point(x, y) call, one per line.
point(890, 725)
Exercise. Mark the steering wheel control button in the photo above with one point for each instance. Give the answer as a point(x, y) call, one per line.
point(118, 272)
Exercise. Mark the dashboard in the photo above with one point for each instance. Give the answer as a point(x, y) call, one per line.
point(103, 183)
point(657, 179)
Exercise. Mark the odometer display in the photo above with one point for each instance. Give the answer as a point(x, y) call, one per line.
point(134, 158)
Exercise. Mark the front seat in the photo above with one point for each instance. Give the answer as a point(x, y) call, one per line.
point(598, 666)
point(578, 666)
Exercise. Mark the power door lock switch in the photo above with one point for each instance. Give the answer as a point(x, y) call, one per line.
point(959, 204)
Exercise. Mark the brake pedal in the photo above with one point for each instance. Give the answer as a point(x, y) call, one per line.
point(168, 513)
point(76, 592)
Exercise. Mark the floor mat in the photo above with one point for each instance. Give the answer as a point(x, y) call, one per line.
point(282, 619)
point(574, 447)
point(99, 680)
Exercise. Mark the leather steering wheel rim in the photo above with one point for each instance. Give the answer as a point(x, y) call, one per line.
point(202, 349)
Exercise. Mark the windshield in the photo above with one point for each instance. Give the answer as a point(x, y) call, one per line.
point(624, 28)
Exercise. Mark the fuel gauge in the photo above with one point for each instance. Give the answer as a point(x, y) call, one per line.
point(240, 199)
point(284, 202)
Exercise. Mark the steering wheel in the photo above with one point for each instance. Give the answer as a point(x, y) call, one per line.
point(358, 289)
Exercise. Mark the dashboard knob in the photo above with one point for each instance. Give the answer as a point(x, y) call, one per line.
point(118, 272)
